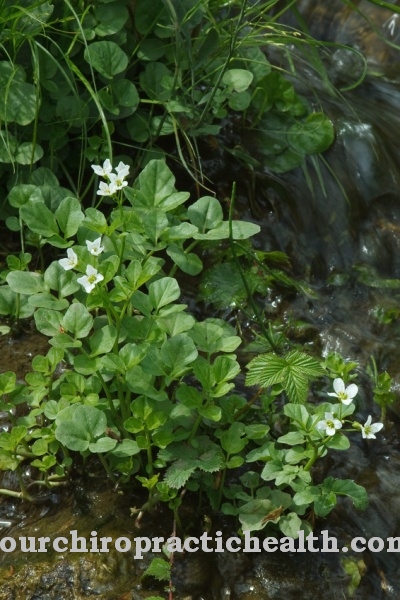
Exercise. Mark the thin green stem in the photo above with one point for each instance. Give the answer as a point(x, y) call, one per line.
point(106, 467)
point(312, 459)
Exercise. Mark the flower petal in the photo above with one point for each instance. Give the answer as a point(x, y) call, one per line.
point(375, 427)
point(352, 390)
point(338, 385)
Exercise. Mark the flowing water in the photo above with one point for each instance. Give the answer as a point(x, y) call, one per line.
point(344, 238)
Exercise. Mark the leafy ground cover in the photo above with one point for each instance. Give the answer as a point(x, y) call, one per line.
point(98, 103)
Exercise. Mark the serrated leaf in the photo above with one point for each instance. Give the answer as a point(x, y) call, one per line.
point(179, 472)
point(160, 569)
point(293, 372)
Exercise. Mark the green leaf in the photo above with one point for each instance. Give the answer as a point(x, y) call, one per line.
point(293, 372)
point(147, 15)
point(255, 515)
point(155, 224)
point(211, 412)
point(205, 214)
point(104, 444)
point(102, 341)
point(232, 440)
point(324, 503)
point(175, 323)
point(347, 487)
point(95, 220)
point(188, 263)
point(297, 413)
point(211, 338)
point(62, 281)
point(126, 448)
point(110, 18)
point(290, 525)
point(77, 320)
point(28, 153)
point(225, 368)
point(10, 440)
point(241, 230)
point(48, 321)
point(63, 340)
point(314, 134)
point(160, 569)
point(156, 80)
point(179, 472)
point(7, 382)
point(292, 438)
point(237, 79)
point(85, 365)
point(39, 218)
point(107, 58)
point(126, 93)
point(69, 216)
point(87, 424)
point(43, 300)
point(177, 352)
point(23, 282)
point(20, 194)
point(189, 396)
point(18, 99)
point(157, 187)
point(163, 292)
point(338, 442)
point(184, 231)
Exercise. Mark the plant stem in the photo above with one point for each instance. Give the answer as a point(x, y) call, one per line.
point(311, 460)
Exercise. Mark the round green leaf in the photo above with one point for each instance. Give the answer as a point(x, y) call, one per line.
point(126, 93)
point(17, 99)
point(237, 79)
point(111, 18)
point(77, 320)
point(107, 58)
point(23, 282)
point(314, 134)
point(163, 292)
point(28, 153)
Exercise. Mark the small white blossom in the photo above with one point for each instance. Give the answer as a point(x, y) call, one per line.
point(345, 394)
point(95, 247)
point(369, 429)
point(107, 189)
point(329, 424)
point(70, 262)
point(122, 170)
point(105, 170)
point(117, 181)
point(91, 278)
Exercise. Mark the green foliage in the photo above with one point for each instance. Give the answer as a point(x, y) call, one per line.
point(75, 79)
point(132, 379)
point(293, 372)
point(160, 569)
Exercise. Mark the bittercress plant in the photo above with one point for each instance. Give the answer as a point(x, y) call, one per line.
point(134, 380)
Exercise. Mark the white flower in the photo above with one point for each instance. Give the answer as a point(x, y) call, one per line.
point(369, 429)
point(122, 170)
point(117, 181)
point(105, 170)
point(330, 424)
point(91, 278)
point(345, 395)
point(95, 247)
point(70, 262)
point(107, 189)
